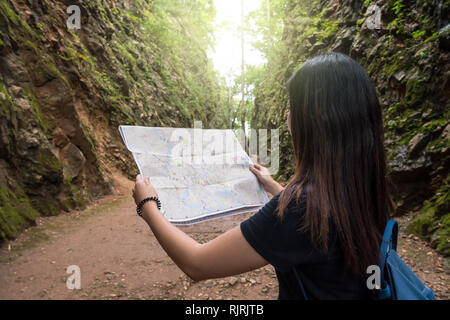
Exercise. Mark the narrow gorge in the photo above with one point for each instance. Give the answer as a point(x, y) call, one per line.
point(63, 93)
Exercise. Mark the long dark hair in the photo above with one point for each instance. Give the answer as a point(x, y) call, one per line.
point(337, 137)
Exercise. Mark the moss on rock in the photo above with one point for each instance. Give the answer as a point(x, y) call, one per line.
point(16, 212)
point(433, 222)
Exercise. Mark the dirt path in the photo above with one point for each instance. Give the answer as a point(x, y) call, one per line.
point(120, 258)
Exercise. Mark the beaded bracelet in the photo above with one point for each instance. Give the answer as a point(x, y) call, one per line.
point(141, 203)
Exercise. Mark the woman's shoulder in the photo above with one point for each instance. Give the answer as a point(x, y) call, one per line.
point(294, 203)
point(295, 208)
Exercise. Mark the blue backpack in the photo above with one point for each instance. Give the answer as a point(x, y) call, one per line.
point(398, 281)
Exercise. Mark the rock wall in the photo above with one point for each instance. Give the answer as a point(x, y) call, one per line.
point(407, 57)
point(64, 92)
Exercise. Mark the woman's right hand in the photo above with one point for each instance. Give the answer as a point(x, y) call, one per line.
point(266, 180)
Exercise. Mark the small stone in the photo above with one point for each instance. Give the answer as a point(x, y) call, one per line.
point(427, 113)
point(399, 76)
point(242, 280)
point(417, 144)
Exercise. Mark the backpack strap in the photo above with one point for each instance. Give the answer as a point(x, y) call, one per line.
point(300, 283)
point(389, 242)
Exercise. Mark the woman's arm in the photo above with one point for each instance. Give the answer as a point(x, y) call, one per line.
point(226, 255)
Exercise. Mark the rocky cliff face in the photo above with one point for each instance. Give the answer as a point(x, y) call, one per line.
point(64, 92)
point(407, 56)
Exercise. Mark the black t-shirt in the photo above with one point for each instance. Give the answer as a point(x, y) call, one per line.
point(284, 247)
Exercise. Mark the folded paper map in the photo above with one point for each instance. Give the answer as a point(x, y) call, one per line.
point(199, 174)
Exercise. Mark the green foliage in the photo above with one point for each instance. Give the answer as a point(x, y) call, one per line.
point(433, 222)
point(253, 77)
point(257, 23)
point(433, 37)
point(181, 32)
point(398, 8)
point(296, 26)
point(398, 23)
point(418, 33)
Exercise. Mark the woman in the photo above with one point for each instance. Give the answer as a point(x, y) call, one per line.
point(325, 227)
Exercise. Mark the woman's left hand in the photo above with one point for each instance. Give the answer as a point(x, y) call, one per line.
point(143, 189)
